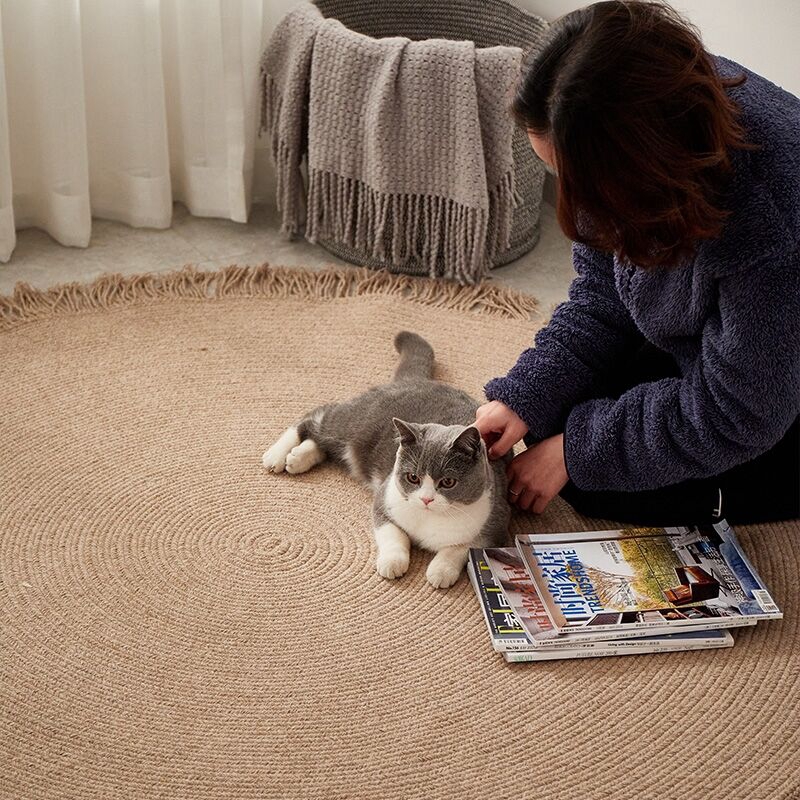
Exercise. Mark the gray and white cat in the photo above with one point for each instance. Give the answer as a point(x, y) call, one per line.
point(414, 443)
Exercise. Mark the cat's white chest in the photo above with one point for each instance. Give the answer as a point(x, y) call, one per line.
point(434, 528)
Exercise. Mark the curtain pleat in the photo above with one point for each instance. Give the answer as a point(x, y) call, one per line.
point(117, 109)
point(129, 178)
point(8, 237)
point(211, 79)
point(47, 118)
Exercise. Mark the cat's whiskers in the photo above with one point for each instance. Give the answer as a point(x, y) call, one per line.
point(450, 508)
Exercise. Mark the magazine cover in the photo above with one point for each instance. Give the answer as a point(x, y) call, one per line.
point(503, 625)
point(507, 570)
point(509, 636)
point(645, 578)
point(521, 596)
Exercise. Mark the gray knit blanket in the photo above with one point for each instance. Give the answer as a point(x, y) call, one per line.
point(408, 143)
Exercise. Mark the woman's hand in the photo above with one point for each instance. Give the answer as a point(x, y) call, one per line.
point(499, 427)
point(537, 475)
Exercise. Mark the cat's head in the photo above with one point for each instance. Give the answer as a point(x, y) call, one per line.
point(438, 465)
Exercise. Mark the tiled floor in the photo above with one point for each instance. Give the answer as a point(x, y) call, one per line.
point(544, 272)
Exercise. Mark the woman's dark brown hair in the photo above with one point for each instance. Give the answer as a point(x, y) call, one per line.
point(641, 127)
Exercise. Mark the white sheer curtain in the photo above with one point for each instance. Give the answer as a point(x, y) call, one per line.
point(115, 108)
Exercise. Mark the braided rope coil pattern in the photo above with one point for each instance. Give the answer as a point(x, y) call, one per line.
point(176, 622)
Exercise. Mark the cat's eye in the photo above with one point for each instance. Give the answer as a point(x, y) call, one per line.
point(447, 483)
point(412, 478)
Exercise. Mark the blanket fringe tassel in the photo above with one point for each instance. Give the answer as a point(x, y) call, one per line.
point(454, 241)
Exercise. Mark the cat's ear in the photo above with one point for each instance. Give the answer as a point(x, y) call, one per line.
point(468, 442)
point(407, 435)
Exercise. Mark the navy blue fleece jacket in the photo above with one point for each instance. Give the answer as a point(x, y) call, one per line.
point(730, 317)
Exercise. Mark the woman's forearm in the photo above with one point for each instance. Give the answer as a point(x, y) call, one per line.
point(583, 339)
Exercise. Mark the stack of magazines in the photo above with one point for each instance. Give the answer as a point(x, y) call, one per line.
point(621, 592)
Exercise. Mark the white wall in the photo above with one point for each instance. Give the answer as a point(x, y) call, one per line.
point(763, 36)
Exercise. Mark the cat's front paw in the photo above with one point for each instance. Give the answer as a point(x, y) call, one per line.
point(393, 564)
point(274, 459)
point(443, 572)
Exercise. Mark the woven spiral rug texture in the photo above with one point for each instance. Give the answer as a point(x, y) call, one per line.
point(176, 622)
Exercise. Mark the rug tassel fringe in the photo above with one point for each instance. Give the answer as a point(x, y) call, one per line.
point(27, 303)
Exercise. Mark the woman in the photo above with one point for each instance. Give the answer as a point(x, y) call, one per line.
point(666, 389)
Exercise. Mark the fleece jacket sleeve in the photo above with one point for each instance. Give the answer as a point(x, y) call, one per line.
point(582, 340)
point(737, 400)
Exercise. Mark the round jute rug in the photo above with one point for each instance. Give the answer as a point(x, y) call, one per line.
point(177, 622)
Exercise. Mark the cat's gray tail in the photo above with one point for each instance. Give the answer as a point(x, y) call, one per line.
point(416, 357)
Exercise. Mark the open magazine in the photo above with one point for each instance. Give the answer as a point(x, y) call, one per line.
point(633, 590)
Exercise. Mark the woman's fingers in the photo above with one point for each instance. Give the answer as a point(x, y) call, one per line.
point(499, 427)
point(537, 475)
point(515, 490)
point(527, 499)
point(490, 432)
point(504, 443)
point(511, 472)
point(488, 414)
point(521, 493)
point(491, 437)
point(525, 490)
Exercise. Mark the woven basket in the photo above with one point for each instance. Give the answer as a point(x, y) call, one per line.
point(487, 23)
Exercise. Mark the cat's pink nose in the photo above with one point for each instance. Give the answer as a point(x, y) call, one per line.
point(426, 500)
